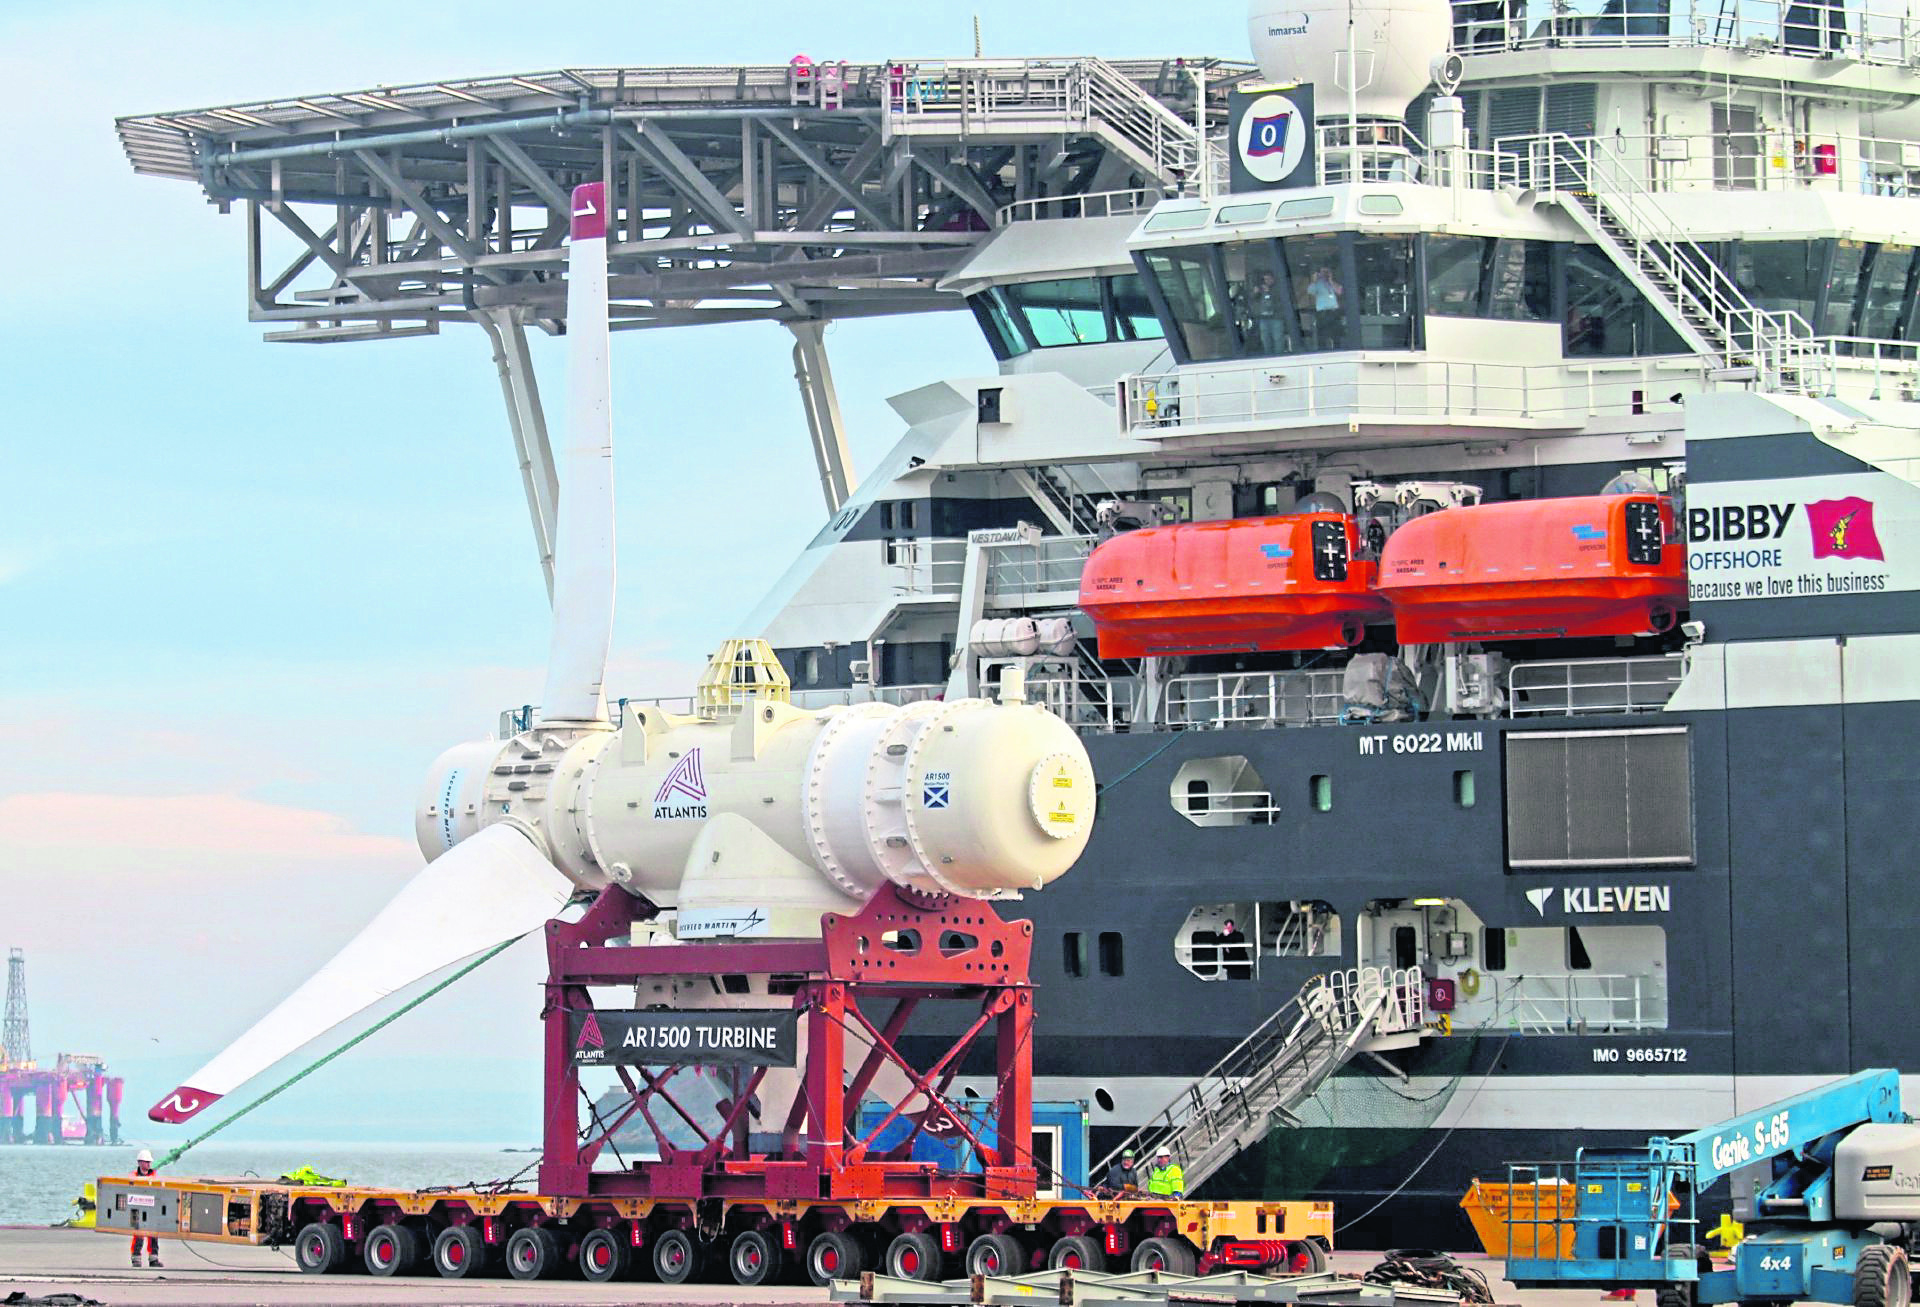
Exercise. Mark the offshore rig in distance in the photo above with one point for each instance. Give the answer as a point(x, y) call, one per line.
point(74, 1101)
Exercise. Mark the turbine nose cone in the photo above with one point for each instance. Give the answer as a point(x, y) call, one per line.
point(453, 797)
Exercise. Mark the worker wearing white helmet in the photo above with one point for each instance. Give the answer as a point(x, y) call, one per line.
point(143, 1165)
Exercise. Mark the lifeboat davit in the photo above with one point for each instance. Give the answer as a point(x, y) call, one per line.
point(1539, 568)
point(1257, 583)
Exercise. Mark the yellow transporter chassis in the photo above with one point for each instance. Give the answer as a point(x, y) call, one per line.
point(460, 1233)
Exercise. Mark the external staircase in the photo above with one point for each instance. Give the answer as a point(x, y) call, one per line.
point(1601, 190)
point(1274, 1071)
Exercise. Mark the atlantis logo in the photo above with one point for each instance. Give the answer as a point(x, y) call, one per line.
point(590, 1036)
point(682, 795)
point(1843, 528)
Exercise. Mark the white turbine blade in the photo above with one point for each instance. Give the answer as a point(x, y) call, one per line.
point(489, 888)
point(583, 542)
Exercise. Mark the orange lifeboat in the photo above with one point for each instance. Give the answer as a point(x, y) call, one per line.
point(1259, 583)
point(1533, 569)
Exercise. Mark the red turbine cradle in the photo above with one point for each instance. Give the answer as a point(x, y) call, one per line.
point(1256, 583)
point(1538, 568)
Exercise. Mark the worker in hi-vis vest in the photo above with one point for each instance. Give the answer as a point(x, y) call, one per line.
point(143, 1165)
point(1166, 1179)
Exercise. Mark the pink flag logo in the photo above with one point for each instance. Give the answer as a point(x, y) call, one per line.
point(1843, 528)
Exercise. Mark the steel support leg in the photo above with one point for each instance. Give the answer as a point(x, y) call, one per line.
point(528, 420)
point(822, 404)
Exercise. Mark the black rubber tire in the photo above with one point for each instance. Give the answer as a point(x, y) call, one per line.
point(1316, 1257)
point(1880, 1277)
point(533, 1253)
point(834, 1255)
point(1077, 1252)
point(754, 1257)
point(320, 1248)
point(995, 1254)
point(914, 1257)
point(459, 1252)
point(1170, 1255)
point(676, 1257)
point(391, 1250)
point(604, 1255)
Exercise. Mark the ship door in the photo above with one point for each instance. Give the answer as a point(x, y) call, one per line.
point(1046, 1159)
point(1398, 935)
point(1736, 147)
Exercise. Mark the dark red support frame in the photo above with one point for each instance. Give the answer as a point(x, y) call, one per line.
point(895, 950)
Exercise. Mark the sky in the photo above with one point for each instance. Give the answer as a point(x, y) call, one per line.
point(248, 591)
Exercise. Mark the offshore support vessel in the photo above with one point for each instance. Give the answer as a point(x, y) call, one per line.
point(1456, 477)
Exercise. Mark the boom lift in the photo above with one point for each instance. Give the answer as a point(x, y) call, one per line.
point(1833, 1216)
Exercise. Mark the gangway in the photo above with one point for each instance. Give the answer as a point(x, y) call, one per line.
point(1273, 1072)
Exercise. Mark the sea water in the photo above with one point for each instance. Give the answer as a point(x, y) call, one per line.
point(38, 1182)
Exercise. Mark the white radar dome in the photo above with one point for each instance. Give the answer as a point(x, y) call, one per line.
point(1396, 42)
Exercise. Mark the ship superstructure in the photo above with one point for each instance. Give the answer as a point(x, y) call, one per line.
point(1625, 287)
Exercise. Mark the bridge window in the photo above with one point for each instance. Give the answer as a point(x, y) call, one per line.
point(1224, 791)
point(1383, 282)
point(1843, 287)
point(1262, 310)
point(1454, 275)
point(1133, 316)
point(1113, 960)
point(1065, 312)
point(1004, 336)
point(1780, 275)
point(1883, 309)
point(1520, 286)
point(1187, 282)
point(1319, 290)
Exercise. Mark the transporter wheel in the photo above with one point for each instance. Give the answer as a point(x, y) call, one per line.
point(1077, 1252)
point(533, 1253)
point(995, 1254)
point(391, 1250)
point(604, 1256)
point(1306, 1257)
point(320, 1249)
point(1170, 1255)
point(914, 1257)
point(754, 1258)
point(833, 1255)
point(1880, 1278)
point(676, 1257)
point(459, 1252)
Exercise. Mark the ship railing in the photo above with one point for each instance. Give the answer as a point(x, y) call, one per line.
point(926, 567)
point(1574, 686)
point(1304, 390)
point(1580, 1001)
point(1095, 204)
point(1228, 700)
point(1085, 702)
point(1883, 32)
point(1770, 161)
point(523, 718)
point(1018, 574)
point(979, 95)
point(846, 695)
point(1231, 808)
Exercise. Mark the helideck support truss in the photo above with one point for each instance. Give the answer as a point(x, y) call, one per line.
point(857, 990)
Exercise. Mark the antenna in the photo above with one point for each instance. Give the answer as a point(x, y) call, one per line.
point(976, 36)
point(15, 1037)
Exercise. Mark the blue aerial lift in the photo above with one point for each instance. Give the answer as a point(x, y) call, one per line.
point(1833, 1216)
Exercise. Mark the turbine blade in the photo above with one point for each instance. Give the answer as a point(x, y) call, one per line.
point(583, 539)
point(492, 887)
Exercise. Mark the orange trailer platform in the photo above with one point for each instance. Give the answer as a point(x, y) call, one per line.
point(461, 1233)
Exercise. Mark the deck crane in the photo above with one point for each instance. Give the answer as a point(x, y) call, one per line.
point(1834, 1214)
